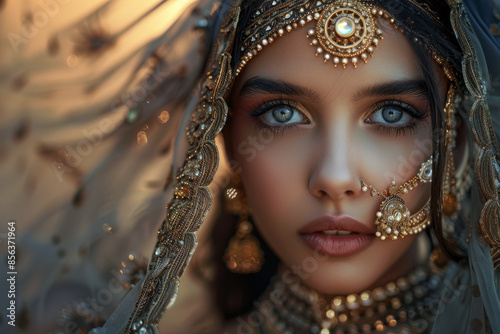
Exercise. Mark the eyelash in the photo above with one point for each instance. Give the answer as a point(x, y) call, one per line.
point(415, 117)
point(269, 105)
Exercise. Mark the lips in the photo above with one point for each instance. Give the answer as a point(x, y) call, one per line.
point(337, 236)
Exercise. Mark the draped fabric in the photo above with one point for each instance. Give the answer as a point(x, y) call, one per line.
point(477, 286)
point(487, 44)
point(92, 95)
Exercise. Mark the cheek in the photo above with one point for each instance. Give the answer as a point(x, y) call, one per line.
point(273, 177)
point(395, 157)
point(272, 181)
point(268, 163)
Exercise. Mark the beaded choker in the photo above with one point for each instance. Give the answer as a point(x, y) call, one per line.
point(405, 305)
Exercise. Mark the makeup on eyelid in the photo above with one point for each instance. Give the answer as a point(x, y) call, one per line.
point(267, 117)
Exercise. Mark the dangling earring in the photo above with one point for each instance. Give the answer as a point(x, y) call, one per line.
point(243, 254)
point(457, 181)
point(393, 218)
point(450, 200)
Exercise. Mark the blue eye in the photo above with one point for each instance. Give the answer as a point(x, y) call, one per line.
point(283, 115)
point(280, 113)
point(394, 117)
point(390, 115)
point(393, 113)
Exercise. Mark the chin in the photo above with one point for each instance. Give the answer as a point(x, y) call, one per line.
point(343, 278)
point(377, 265)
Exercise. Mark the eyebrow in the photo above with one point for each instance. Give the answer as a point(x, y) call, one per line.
point(256, 85)
point(416, 88)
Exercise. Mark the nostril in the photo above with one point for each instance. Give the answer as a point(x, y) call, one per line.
point(349, 193)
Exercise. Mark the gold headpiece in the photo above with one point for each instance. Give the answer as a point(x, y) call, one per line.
point(346, 31)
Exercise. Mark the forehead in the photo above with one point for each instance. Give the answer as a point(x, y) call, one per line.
point(291, 58)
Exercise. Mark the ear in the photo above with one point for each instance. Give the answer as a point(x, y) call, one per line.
point(226, 135)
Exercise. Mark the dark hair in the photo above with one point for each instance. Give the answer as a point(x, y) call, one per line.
point(235, 293)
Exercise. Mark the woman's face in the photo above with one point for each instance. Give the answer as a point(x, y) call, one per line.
point(305, 133)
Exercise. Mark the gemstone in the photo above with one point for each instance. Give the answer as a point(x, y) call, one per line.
point(398, 216)
point(344, 27)
point(159, 250)
point(428, 171)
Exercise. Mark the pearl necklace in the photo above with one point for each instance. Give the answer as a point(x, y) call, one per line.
point(406, 305)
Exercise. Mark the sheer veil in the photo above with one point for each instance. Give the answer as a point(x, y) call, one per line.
point(92, 97)
point(474, 298)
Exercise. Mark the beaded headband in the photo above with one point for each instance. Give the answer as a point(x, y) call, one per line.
point(346, 32)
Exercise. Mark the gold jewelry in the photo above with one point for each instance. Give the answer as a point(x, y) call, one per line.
point(450, 202)
point(243, 254)
point(393, 219)
point(293, 307)
point(450, 191)
point(347, 31)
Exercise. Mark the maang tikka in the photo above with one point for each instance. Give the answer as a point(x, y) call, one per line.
point(393, 219)
point(347, 31)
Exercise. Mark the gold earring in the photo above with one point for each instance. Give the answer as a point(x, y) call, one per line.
point(347, 32)
point(393, 219)
point(450, 200)
point(243, 254)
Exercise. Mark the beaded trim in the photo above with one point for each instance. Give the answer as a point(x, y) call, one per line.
point(176, 240)
point(274, 18)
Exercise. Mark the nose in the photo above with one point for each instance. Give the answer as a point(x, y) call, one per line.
point(334, 173)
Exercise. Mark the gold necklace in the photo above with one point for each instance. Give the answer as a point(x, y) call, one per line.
point(406, 305)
